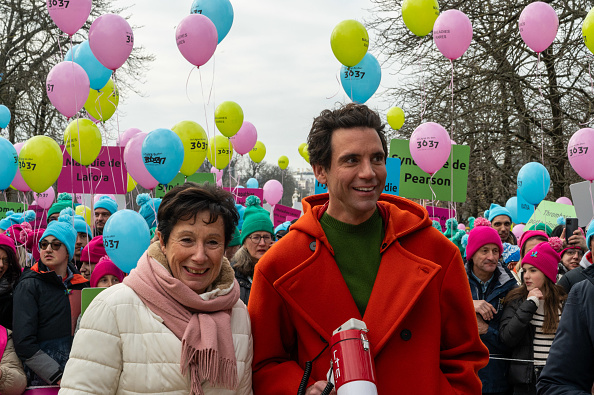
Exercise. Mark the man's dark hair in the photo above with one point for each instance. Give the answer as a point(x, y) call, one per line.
point(185, 201)
point(352, 115)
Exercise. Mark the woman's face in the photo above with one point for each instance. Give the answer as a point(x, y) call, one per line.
point(259, 247)
point(533, 278)
point(107, 281)
point(195, 251)
point(53, 257)
point(3, 262)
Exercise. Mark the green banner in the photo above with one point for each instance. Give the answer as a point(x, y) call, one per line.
point(16, 207)
point(548, 212)
point(415, 183)
point(198, 178)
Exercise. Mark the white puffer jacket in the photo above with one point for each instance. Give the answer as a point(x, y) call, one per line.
point(126, 349)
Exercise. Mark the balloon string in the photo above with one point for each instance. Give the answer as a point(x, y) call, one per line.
point(338, 82)
point(117, 114)
point(451, 204)
point(541, 120)
point(591, 87)
point(187, 83)
point(206, 118)
point(351, 82)
point(423, 93)
point(591, 199)
point(210, 94)
point(433, 195)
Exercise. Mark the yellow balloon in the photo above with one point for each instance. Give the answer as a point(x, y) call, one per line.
point(103, 103)
point(420, 15)
point(283, 162)
point(195, 142)
point(220, 152)
point(588, 30)
point(131, 183)
point(349, 42)
point(82, 139)
point(395, 117)
point(305, 154)
point(228, 118)
point(258, 152)
point(85, 212)
point(301, 147)
point(40, 162)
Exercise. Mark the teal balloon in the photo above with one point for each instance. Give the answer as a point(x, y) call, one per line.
point(163, 154)
point(512, 206)
point(220, 12)
point(534, 182)
point(71, 51)
point(251, 183)
point(126, 236)
point(98, 74)
point(4, 116)
point(9, 162)
point(362, 80)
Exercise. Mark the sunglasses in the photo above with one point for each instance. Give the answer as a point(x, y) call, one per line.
point(55, 244)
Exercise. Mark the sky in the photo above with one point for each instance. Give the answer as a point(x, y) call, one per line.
point(276, 63)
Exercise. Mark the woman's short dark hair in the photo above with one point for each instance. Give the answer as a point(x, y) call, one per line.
point(13, 272)
point(185, 201)
point(352, 115)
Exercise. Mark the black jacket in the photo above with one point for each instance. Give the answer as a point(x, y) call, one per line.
point(6, 309)
point(571, 278)
point(245, 287)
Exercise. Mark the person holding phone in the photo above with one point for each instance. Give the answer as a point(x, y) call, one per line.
point(575, 276)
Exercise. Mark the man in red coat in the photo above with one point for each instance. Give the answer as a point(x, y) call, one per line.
point(358, 254)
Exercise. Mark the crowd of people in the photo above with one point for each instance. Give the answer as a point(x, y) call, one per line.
point(222, 302)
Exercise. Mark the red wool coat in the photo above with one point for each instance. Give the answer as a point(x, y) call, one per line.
point(422, 326)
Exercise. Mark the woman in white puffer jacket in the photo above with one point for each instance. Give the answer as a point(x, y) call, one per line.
point(176, 324)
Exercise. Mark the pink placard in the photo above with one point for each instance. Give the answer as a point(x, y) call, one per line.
point(106, 174)
point(283, 213)
point(441, 214)
point(242, 193)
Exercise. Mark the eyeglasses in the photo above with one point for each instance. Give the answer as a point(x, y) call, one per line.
point(256, 238)
point(574, 252)
point(55, 245)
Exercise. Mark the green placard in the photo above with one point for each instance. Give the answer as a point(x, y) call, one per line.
point(86, 297)
point(8, 206)
point(548, 212)
point(415, 183)
point(198, 178)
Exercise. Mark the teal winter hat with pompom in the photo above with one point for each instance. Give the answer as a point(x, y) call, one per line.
point(64, 200)
point(255, 219)
point(148, 208)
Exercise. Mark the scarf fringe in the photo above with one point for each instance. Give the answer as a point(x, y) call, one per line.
point(207, 365)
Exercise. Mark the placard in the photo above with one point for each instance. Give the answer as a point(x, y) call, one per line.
point(40, 216)
point(11, 206)
point(582, 201)
point(283, 213)
point(441, 214)
point(180, 179)
point(548, 212)
point(87, 296)
point(241, 194)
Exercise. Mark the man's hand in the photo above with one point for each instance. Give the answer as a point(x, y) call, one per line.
point(485, 309)
point(483, 327)
point(317, 388)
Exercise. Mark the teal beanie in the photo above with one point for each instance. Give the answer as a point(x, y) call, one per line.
point(236, 238)
point(255, 219)
point(64, 200)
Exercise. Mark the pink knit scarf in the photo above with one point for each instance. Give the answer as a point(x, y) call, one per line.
point(201, 322)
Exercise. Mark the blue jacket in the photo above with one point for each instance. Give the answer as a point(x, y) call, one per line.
point(494, 375)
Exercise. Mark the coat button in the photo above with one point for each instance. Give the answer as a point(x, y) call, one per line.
point(405, 335)
point(312, 246)
point(384, 245)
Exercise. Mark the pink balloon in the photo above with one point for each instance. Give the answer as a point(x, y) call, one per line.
point(67, 87)
point(80, 198)
point(196, 38)
point(518, 230)
point(430, 147)
point(126, 136)
point(98, 196)
point(564, 200)
point(45, 199)
point(244, 140)
point(18, 182)
point(273, 192)
point(461, 227)
point(218, 173)
point(580, 151)
point(452, 33)
point(134, 162)
point(538, 25)
point(69, 16)
point(111, 40)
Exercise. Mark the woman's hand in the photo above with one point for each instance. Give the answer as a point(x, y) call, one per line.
point(536, 292)
point(317, 388)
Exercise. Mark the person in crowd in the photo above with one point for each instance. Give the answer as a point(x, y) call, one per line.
point(83, 234)
point(511, 255)
point(501, 220)
point(570, 259)
point(540, 227)
point(32, 246)
point(64, 200)
point(576, 275)
point(103, 209)
point(234, 244)
point(190, 332)
point(528, 240)
point(489, 284)
point(281, 230)
point(18, 233)
point(531, 316)
point(351, 252)
point(106, 274)
point(48, 300)
point(10, 272)
point(148, 208)
point(257, 236)
point(570, 366)
point(12, 376)
point(91, 255)
point(11, 218)
point(436, 225)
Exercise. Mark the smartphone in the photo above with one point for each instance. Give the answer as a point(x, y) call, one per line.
point(571, 225)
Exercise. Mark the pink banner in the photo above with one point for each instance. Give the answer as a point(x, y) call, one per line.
point(242, 193)
point(106, 174)
point(283, 213)
point(40, 216)
point(440, 214)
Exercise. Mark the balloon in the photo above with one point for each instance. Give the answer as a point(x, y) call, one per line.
point(588, 30)
point(395, 117)
point(228, 118)
point(103, 103)
point(361, 81)
point(40, 162)
point(18, 182)
point(564, 200)
point(419, 15)
point(163, 154)
point(538, 25)
point(273, 192)
point(258, 152)
point(97, 73)
point(220, 12)
point(197, 39)
point(452, 33)
point(134, 162)
point(99, 195)
point(430, 147)
point(283, 162)
point(131, 184)
point(252, 183)
point(126, 237)
point(245, 139)
point(580, 151)
point(220, 151)
point(4, 116)
point(111, 40)
point(195, 142)
point(518, 230)
point(349, 42)
point(45, 199)
point(84, 212)
point(462, 227)
point(69, 16)
point(533, 182)
point(9, 163)
point(512, 206)
point(67, 87)
point(126, 136)
point(69, 57)
point(305, 154)
point(82, 139)
point(302, 146)
point(219, 175)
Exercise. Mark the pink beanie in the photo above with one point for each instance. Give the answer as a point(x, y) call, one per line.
point(530, 234)
point(480, 236)
point(7, 241)
point(19, 232)
point(32, 243)
point(544, 258)
point(93, 251)
point(103, 268)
